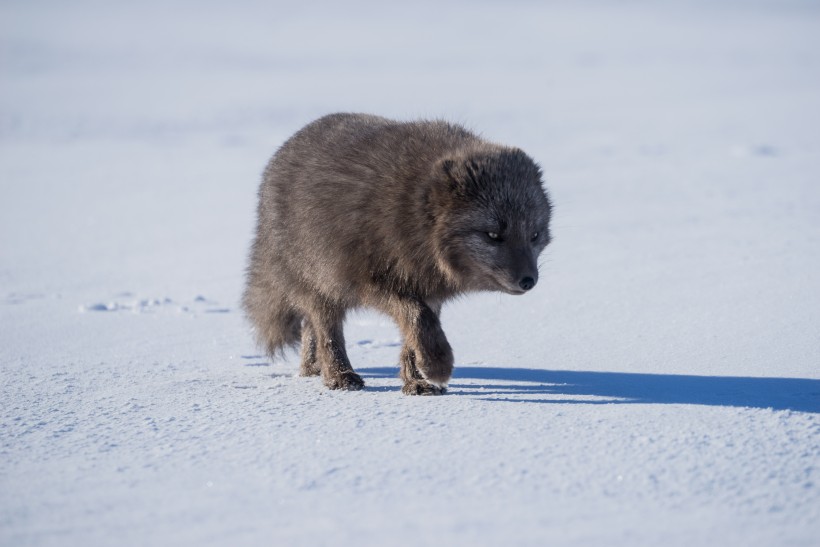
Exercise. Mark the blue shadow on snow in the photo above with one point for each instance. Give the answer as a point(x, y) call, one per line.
point(797, 394)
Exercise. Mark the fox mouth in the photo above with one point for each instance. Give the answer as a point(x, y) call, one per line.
point(507, 287)
point(516, 292)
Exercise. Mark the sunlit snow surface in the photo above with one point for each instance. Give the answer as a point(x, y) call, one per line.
point(660, 386)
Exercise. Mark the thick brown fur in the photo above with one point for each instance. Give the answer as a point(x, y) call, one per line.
point(361, 211)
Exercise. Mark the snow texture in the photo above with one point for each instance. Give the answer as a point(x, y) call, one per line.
point(660, 386)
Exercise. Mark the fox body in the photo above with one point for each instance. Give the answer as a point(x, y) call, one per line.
point(361, 211)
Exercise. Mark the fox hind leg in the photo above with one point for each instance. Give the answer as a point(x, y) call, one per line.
point(310, 364)
point(337, 373)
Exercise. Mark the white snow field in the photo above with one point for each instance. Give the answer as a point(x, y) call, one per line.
point(660, 386)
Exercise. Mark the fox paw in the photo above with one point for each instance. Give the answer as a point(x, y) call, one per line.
point(436, 363)
point(422, 387)
point(348, 380)
point(310, 369)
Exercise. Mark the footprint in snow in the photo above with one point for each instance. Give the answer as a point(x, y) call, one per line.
point(379, 343)
point(126, 302)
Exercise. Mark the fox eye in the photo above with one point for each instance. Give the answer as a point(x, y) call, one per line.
point(494, 236)
point(534, 236)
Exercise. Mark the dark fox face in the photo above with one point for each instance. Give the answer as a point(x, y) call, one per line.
point(496, 223)
point(503, 253)
point(497, 248)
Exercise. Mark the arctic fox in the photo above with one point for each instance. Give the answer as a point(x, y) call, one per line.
point(361, 211)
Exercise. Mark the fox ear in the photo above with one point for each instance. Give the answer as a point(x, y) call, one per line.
point(462, 174)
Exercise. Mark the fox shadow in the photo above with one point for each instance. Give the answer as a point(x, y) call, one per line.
point(565, 387)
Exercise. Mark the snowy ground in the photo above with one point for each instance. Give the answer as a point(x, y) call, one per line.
point(660, 386)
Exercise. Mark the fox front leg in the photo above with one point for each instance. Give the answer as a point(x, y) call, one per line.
point(414, 383)
point(426, 358)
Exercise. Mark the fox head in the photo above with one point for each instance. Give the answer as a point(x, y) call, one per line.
point(491, 219)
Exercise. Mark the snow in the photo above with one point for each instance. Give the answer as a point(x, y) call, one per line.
point(659, 386)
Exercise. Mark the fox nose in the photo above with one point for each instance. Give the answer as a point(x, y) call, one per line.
point(527, 283)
